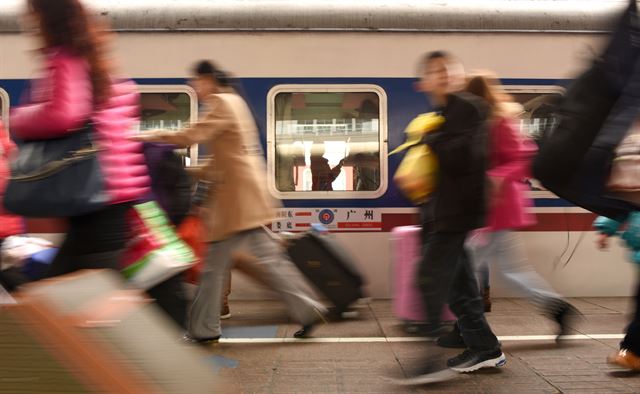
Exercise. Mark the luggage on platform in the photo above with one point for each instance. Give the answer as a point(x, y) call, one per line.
point(329, 268)
point(85, 332)
point(406, 252)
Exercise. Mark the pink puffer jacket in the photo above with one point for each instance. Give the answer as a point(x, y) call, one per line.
point(510, 159)
point(9, 224)
point(62, 101)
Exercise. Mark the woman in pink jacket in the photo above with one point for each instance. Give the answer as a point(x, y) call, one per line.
point(509, 157)
point(9, 224)
point(77, 87)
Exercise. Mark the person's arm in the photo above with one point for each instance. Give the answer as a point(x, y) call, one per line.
point(8, 147)
point(606, 228)
point(214, 122)
point(335, 171)
point(68, 107)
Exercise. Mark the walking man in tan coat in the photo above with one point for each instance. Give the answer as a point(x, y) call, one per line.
point(237, 208)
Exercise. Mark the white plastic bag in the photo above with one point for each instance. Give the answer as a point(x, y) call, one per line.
point(162, 264)
point(16, 249)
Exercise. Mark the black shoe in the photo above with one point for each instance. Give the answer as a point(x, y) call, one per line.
point(452, 339)
point(201, 341)
point(562, 313)
point(470, 360)
point(304, 332)
point(425, 329)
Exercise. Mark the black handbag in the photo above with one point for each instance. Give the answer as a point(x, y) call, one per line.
point(576, 153)
point(58, 177)
point(587, 104)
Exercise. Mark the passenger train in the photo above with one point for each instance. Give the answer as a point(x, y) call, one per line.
point(330, 83)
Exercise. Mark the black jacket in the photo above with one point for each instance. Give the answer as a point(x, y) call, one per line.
point(461, 145)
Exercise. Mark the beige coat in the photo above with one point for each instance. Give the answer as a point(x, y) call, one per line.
point(238, 199)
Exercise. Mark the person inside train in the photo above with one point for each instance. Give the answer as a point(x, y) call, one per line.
point(238, 208)
point(628, 356)
point(456, 207)
point(322, 175)
point(78, 87)
point(366, 176)
point(510, 155)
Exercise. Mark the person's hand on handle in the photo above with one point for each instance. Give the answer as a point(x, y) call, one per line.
point(602, 241)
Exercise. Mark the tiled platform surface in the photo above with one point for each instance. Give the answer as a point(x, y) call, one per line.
point(344, 365)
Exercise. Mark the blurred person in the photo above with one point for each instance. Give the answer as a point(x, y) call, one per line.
point(9, 224)
point(77, 87)
point(322, 175)
point(510, 157)
point(199, 202)
point(628, 356)
point(484, 284)
point(455, 208)
point(171, 188)
point(238, 206)
point(366, 172)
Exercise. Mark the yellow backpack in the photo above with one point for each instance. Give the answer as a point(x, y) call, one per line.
point(416, 175)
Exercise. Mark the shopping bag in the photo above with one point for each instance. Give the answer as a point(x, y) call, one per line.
point(191, 231)
point(17, 249)
point(416, 175)
point(156, 253)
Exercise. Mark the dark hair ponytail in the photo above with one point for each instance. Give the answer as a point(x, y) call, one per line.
point(209, 69)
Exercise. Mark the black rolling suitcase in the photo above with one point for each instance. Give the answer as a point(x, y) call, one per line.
point(329, 268)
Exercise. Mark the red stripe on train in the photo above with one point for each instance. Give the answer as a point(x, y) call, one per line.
point(546, 222)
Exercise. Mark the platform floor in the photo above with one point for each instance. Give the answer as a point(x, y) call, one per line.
point(258, 354)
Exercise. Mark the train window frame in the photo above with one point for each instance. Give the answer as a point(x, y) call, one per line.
point(193, 111)
point(327, 88)
point(4, 108)
point(536, 89)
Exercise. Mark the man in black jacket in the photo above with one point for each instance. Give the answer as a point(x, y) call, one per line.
point(457, 206)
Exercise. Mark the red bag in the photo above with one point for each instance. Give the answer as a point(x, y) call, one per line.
point(192, 233)
point(141, 244)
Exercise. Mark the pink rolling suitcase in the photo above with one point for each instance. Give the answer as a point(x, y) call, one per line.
point(406, 252)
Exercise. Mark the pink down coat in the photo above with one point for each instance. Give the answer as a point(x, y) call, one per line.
point(510, 157)
point(62, 101)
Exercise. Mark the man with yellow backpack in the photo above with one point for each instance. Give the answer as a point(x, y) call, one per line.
point(452, 201)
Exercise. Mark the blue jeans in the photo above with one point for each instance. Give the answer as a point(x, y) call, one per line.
point(504, 251)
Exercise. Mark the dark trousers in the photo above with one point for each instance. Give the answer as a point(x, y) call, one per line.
point(631, 341)
point(446, 274)
point(171, 297)
point(95, 240)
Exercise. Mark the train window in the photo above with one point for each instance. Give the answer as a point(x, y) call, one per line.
point(4, 107)
point(327, 141)
point(537, 102)
point(169, 107)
